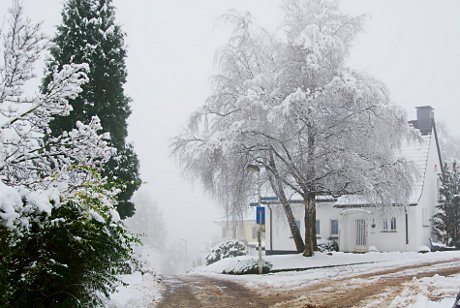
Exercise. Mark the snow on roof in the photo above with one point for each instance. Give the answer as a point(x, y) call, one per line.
point(415, 151)
point(349, 200)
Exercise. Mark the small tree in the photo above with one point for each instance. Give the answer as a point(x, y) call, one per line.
point(148, 221)
point(446, 222)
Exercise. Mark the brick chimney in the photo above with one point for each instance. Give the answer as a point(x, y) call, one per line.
point(425, 119)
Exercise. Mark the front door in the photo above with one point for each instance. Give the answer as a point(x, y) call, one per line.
point(361, 236)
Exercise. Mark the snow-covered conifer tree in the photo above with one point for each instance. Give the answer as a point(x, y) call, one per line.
point(89, 34)
point(446, 222)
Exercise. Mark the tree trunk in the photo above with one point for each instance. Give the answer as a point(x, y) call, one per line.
point(299, 245)
point(309, 197)
point(277, 187)
point(310, 221)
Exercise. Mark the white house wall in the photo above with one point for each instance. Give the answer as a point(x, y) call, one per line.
point(325, 212)
point(282, 238)
point(428, 199)
point(388, 240)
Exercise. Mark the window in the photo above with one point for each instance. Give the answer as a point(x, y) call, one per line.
point(393, 223)
point(389, 224)
point(317, 227)
point(334, 227)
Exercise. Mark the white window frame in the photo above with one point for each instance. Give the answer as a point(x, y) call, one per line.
point(389, 224)
point(330, 227)
point(318, 230)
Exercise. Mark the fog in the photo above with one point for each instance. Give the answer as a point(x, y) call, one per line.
point(412, 46)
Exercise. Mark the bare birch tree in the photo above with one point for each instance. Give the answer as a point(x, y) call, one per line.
point(286, 102)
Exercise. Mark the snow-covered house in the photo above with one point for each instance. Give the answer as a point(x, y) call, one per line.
point(356, 224)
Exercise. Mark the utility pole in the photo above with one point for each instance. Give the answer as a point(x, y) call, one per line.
point(260, 214)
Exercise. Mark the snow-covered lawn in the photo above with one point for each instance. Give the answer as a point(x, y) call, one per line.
point(142, 291)
point(431, 291)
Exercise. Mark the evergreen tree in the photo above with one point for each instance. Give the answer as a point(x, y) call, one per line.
point(447, 221)
point(89, 34)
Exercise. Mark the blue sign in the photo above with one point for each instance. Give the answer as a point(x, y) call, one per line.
point(260, 215)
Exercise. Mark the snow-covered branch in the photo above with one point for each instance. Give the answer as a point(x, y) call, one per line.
point(27, 154)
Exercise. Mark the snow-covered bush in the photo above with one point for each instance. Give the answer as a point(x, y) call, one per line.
point(62, 250)
point(327, 246)
point(246, 266)
point(373, 249)
point(423, 249)
point(228, 249)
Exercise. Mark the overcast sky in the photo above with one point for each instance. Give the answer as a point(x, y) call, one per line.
point(413, 46)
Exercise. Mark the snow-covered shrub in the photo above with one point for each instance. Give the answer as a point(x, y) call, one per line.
point(327, 246)
point(246, 266)
point(373, 249)
point(64, 250)
point(228, 249)
point(423, 249)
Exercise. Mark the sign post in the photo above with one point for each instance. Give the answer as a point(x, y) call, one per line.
point(260, 220)
point(260, 212)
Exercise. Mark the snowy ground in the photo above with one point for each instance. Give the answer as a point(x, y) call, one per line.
point(144, 284)
point(430, 291)
point(327, 273)
point(142, 291)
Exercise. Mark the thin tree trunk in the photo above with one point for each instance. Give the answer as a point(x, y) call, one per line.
point(277, 187)
point(310, 220)
point(295, 232)
point(309, 198)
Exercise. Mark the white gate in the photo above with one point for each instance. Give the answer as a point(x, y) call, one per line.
point(353, 230)
point(361, 236)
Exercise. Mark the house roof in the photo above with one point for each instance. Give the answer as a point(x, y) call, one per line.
point(415, 151)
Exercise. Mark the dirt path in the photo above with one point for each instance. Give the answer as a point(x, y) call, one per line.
point(200, 291)
point(350, 291)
